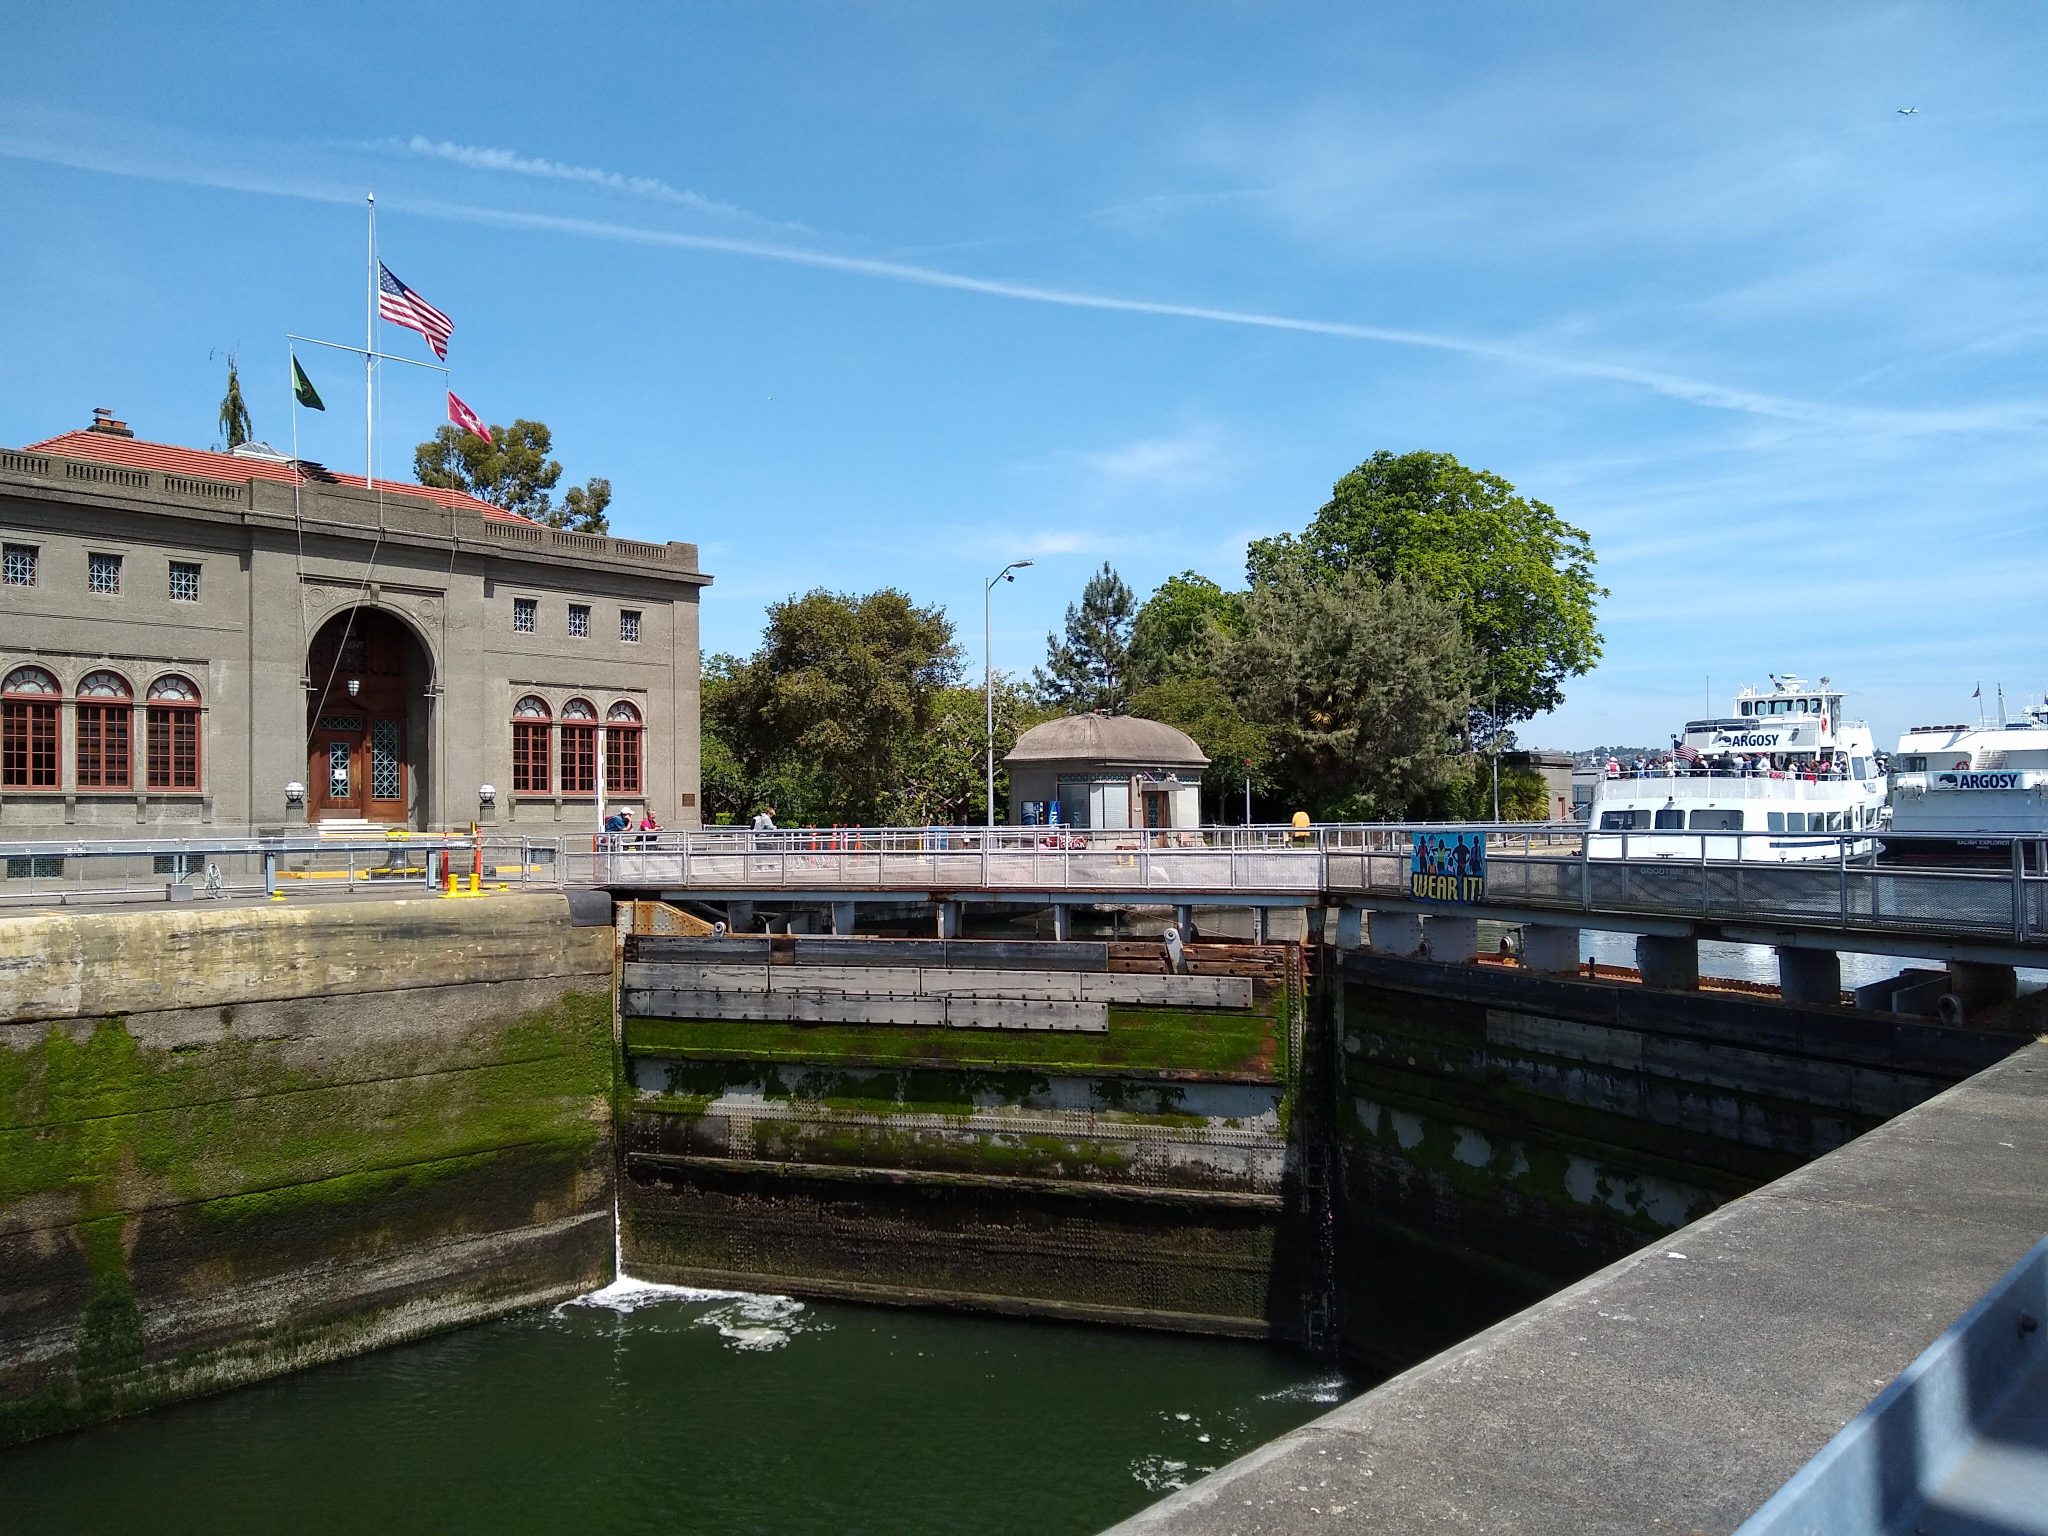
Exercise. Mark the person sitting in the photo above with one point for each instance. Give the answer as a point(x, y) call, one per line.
point(616, 823)
point(650, 829)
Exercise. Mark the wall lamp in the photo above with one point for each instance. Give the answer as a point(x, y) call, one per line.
point(295, 793)
point(487, 794)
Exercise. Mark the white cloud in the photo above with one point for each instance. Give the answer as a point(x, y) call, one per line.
point(2025, 414)
point(1190, 461)
point(652, 188)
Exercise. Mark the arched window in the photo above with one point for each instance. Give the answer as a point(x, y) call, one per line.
point(171, 718)
point(530, 765)
point(106, 715)
point(579, 748)
point(29, 743)
point(622, 749)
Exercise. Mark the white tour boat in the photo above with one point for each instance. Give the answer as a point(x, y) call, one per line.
point(1756, 785)
point(1973, 788)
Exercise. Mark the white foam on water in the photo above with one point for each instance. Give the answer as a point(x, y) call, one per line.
point(1160, 1474)
point(1325, 1389)
point(627, 1295)
point(748, 1320)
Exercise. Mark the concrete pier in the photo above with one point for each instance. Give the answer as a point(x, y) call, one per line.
point(1550, 951)
point(1453, 940)
point(1677, 1389)
point(1396, 933)
point(1809, 975)
point(1668, 964)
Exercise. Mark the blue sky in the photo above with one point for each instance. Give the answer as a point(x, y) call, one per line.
point(861, 295)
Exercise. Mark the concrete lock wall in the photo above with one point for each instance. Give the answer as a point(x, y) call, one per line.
point(1498, 1134)
point(1045, 1128)
point(240, 1141)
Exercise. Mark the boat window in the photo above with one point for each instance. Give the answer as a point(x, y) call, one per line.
point(1671, 821)
point(1795, 821)
point(1745, 706)
point(1916, 765)
point(1717, 821)
point(1834, 821)
point(1860, 767)
point(1775, 820)
point(1624, 821)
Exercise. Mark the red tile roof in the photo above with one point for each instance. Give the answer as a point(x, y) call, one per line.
point(202, 464)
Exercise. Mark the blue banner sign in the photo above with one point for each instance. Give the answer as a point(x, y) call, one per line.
point(1448, 866)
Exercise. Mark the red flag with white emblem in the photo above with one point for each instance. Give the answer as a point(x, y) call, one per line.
point(466, 419)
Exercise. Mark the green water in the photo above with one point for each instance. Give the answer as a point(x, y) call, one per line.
point(706, 1416)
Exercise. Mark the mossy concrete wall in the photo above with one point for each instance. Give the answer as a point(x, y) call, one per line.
point(1499, 1134)
point(236, 1141)
point(1139, 1174)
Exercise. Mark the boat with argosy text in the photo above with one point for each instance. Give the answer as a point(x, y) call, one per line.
point(1784, 777)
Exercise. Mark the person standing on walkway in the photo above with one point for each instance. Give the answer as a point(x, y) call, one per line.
point(764, 827)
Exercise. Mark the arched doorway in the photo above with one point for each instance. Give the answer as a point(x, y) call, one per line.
point(366, 721)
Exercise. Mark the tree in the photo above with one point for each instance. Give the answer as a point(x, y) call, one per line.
point(512, 471)
point(942, 781)
point(1090, 668)
point(1364, 684)
point(234, 410)
point(1519, 577)
point(825, 717)
point(1177, 630)
point(1238, 747)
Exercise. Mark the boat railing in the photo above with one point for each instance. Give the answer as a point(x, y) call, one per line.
point(1726, 786)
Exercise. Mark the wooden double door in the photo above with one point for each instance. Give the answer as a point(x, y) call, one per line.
point(356, 767)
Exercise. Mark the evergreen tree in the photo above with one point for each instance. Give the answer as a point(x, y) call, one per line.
point(1090, 669)
point(1364, 685)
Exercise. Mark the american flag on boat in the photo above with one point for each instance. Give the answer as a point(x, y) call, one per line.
point(1686, 752)
point(401, 306)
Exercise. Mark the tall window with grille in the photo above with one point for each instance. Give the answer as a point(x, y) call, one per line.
point(629, 625)
point(531, 723)
point(29, 742)
point(171, 719)
point(579, 748)
point(525, 615)
point(622, 749)
point(184, 581)
point(106, 713)
point(579, 621)
point(18, 565)
point(103, 573)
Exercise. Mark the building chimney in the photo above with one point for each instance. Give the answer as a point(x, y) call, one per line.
point(104, 420)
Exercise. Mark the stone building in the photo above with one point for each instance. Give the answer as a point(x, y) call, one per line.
point(196, 643)
point(1106, 771)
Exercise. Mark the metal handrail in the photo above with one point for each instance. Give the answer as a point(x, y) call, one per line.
point(1558, 866)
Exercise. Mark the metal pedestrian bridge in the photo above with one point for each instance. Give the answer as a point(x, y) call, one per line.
point(1862, 895)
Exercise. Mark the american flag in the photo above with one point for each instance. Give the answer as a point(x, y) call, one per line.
point(401, 306)
point(1686, 752)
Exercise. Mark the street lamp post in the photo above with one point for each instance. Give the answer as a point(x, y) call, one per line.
point(988, 672)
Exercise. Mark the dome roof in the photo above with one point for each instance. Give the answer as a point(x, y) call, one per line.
point(1121, 741)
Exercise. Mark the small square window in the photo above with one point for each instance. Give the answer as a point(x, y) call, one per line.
point(184, 582)
point(579, 619)
point(21, 565)
point(629, 626)
point(103, 573)
point(525, 615)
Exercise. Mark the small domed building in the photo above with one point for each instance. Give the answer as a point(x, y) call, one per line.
point(1106, 771)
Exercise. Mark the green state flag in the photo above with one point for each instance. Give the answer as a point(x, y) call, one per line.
point(303, 387)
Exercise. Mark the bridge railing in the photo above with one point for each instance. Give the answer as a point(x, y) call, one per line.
point(1173, 861)
point(47, 873)
point(1861, 881)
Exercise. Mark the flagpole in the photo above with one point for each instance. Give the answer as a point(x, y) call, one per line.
point(369, 358)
